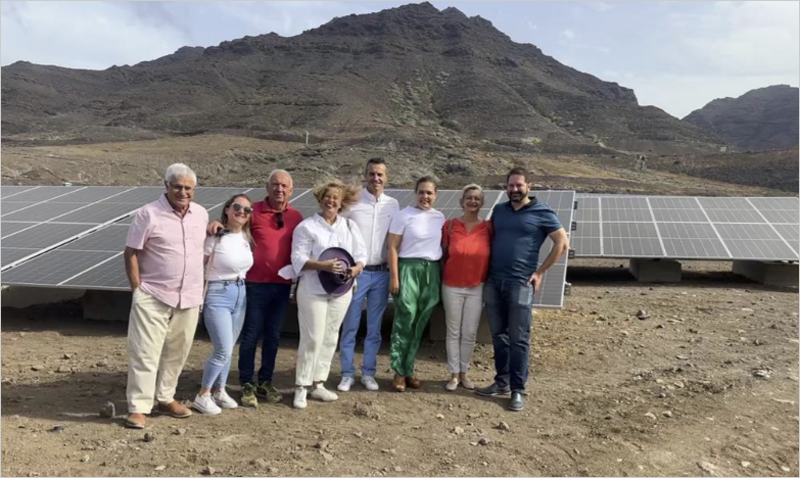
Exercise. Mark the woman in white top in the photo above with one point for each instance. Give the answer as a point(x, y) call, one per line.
point(414, 250)
point(228, 258)
point(319, 314)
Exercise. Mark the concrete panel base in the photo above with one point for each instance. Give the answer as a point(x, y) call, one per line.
point(655, 270)
point(768, 273)
point(107, 305)
point(20, 297)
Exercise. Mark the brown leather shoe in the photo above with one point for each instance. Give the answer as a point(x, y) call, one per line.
point(175, 409)
point(136, 420)
point(413, 382)
point(399, 383)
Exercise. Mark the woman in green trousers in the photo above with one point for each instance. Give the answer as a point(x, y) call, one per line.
point(414, 251)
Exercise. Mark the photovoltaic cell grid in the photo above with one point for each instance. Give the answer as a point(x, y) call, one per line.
point(687, 227)
point(551, 290)
point(86, 260)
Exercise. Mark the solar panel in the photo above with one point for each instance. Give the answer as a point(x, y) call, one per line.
point(551, 290)
point(9, 191)
point(45, 193)
point(54, 267)
point(12, 254)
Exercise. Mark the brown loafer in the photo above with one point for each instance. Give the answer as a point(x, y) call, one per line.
point(175, 409)
point(399, 383)
point(413, 382)
point(136, 420)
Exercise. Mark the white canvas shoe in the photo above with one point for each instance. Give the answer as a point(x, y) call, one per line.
point(224, 400)
point(205, 405)
point(300, 398)
point(322, 393)
point(345, 384)
point(369, 382)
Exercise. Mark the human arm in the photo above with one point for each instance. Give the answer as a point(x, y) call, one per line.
point(393, 259)
point(132, 267)
point(213, 227)
point(359, 248)
point(560, 247)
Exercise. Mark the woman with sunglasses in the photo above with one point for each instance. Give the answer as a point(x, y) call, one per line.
point(228, 258)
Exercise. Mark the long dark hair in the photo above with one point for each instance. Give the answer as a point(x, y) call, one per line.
point(224, 215)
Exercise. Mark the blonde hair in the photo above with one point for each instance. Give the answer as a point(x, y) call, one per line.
point(468, 188)
point(224, 215)
point(350, 192)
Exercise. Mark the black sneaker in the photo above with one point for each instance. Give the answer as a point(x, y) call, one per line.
point(517, 402)
point(492, 390)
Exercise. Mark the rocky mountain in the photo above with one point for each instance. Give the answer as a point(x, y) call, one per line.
point(414, 73)
point(762, 119)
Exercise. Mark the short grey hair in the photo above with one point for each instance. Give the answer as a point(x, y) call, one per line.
point(179, 170)
point(279, 171)
point(471, 187)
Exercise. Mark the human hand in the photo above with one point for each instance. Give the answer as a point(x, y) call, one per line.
point(394, 286)
point(535, 280)
point(213, 227)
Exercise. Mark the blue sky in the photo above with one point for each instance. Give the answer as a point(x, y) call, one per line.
point(675, 55)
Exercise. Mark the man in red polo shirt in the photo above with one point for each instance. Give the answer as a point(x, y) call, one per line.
point(272, 223)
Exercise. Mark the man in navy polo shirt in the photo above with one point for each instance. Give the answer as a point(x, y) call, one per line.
point(521, 226)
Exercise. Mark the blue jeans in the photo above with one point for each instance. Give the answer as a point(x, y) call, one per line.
point(509, 308)
point(374, 286)
point(223, 315)
point(266, 307)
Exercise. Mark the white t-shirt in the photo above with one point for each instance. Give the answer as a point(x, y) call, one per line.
point(233, 256)
point(421, 231)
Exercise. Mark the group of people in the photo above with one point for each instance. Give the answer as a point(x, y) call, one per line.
point(239, 271)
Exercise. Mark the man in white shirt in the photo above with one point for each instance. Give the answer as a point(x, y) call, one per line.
point(372, 214)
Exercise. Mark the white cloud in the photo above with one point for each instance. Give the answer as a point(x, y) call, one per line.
point(569, 34)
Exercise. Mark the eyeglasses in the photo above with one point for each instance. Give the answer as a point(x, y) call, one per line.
point(279, 217)
point(181, 187)
point(238, 207)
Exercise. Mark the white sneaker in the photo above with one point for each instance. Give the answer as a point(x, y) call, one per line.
point(205, 405)
point(369, 382)
point(224, 400)
point(345, 384)
point(322, 393)
point(300, 398)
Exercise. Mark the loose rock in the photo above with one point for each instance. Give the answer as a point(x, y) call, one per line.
point(483, 441)
point(650, 415)
point(37, 368)
point(108, 410)
point(102, 364)
point(161, 468)
point(458, 431)
point(642, 314)
point(207, 471)
point(63, 369)
point(260, 462)
point(503, 426)
point(179, 431)
point(667, 414)
point(148, 437)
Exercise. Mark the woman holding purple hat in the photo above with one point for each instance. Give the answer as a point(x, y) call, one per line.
point(328, 253)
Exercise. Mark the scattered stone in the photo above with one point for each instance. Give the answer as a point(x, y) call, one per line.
point(273, 470)
point(358, 434)
point(483, 441)
point(785, 469)
point(85, 459)
point(207, 471)
point(786, 402)
point(148, 437)
point(326, 455)
point(440, 416)
point(389, 451)
point(650, 415)
point(660, 326)
point(458, 431)
point(761, 373)
point(602, 318)
point(63, 369)
point(642, 314)
point(102, 364)
point(679, 384)
point(398, 469)
point(707, 467)
point(503, 426)
point(37, 368)
point(179, 431)
point(161, 468)
point(108, 410)
point(682, 357)
point(322, 445)
point(58, 428)
point(745, 464)
point(67, 356)
point(260, 462)
point(747, 309)
point(667, 414)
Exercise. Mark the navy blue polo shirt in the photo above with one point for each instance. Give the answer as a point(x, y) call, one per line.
point(518, 236)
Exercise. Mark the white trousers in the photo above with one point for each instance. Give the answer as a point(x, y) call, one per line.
point(319, 317)
point(159, 340)
point(462, 311)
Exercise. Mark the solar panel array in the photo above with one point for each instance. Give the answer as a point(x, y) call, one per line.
point(716, 228)
point(87, 242)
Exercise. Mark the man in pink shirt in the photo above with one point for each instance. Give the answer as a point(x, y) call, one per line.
point(164, 262)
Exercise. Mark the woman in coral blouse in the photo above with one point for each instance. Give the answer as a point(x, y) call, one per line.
point(466, 243)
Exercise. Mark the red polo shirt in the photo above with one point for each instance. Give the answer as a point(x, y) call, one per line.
point(273, 249)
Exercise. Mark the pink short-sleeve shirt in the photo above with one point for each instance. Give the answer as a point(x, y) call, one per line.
point(170, 252)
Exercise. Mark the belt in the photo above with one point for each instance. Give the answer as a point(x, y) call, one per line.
point(236, 281)
point(377, 268)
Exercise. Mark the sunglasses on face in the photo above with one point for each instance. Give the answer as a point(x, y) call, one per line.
point(238, 207)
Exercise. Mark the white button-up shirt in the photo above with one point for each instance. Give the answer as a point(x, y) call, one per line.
point(373, 217)
point(314, 235)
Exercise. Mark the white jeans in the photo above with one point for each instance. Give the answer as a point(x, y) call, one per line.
point(462, 310)
point(319, 317)
point(159, 340)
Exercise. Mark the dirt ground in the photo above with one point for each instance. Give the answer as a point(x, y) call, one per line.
point(707, 385)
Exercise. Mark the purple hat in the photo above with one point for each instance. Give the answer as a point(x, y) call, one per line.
point(336, 284)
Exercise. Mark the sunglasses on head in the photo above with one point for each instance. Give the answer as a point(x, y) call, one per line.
point(238, 207)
